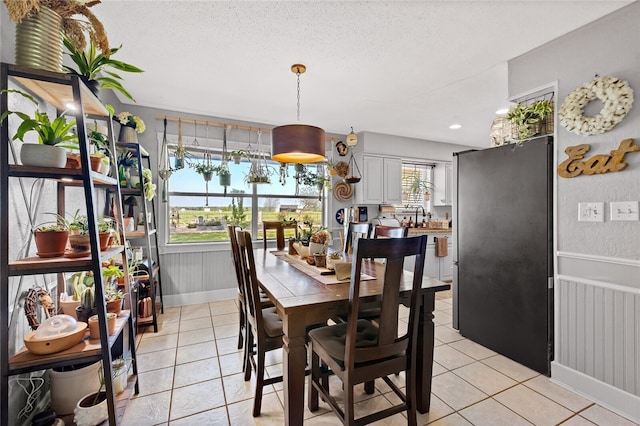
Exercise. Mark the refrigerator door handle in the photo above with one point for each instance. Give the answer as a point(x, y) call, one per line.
point(550, 283)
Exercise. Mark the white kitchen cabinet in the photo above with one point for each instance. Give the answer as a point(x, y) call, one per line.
point(440, 268)
point(381, 181)
point(442, 179)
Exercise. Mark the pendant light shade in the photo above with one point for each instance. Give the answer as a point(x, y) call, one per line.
point(297, 143)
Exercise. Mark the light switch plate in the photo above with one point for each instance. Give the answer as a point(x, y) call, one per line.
point(624, 210)
point(591, 212)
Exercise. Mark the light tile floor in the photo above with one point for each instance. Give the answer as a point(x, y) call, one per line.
point(190, 374)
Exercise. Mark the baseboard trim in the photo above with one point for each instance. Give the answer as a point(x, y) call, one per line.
point(174, 300)
point(614, 399)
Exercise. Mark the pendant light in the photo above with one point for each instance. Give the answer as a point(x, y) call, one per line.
point(297, 143)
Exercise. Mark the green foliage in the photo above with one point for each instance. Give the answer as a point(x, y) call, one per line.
point(238, 215)
point(527, 117)
point(54, 133)
point(95, 66)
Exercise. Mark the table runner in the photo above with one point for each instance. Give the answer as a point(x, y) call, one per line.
point(315, 272)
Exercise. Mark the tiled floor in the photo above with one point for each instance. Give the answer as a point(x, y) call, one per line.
point(190, 374)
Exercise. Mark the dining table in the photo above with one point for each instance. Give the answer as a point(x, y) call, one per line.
point(305, 296)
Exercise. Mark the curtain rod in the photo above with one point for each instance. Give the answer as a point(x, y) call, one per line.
point(218, 124)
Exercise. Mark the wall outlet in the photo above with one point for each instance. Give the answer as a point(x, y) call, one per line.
point(624, 210)
point(591, 212)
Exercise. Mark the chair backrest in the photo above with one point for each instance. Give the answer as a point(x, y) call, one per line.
point(279, 227)
point(393, 251)
point(235, 255)
point(390, 231)
point(250, 280)
point(355, 231)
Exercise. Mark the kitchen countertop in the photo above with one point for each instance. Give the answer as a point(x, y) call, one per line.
point(420, 231)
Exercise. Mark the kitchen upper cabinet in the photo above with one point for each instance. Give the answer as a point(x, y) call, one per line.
point(381, 181)
point(442, 179)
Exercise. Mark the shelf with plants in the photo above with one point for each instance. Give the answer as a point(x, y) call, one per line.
point(139, 196)
point(55, 90)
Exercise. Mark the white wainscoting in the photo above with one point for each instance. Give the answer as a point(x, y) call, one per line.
point(197, 277)
point(597, 330)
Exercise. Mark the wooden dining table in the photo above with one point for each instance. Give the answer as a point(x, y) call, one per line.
point(302, 299)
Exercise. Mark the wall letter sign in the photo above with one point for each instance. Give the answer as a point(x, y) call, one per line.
point(601, 163)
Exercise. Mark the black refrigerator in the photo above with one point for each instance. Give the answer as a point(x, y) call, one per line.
point(503, 262)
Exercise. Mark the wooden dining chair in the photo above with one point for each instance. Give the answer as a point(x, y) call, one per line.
point(359, 351)
point(264, 327)
point(390, 231)
point(355, 231)
point(264, 300)
point(279, 227)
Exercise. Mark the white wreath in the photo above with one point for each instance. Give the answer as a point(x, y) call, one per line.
point(617, 99)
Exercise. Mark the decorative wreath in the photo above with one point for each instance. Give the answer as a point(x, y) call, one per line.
point(617, 99)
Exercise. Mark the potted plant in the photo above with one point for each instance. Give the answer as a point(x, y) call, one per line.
point(419, 187)
point(94, 325)
point(205, 169)
point(130, 126)
point(530, 119)
point(112, 295)
point(79, 238)
point(41, 25)
point(52, 136)
point(87, 301)
point(51, 239)
point(96, 69)
point(148, 185)
point(238, 155)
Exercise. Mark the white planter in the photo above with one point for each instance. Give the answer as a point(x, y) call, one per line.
point(315, 248)
point(90, 415)
point(34, 154)
point(69, 307)
point(68, 387)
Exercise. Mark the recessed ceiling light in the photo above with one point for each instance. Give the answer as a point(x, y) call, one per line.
point(502, 111)
point(455, 126)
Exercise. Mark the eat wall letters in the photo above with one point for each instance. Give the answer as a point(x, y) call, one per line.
point(598, 164)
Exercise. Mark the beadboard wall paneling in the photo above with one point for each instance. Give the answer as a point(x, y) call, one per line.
point(195, 272)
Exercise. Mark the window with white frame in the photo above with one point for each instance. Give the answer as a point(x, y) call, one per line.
point(417, 184)
point(198, 211)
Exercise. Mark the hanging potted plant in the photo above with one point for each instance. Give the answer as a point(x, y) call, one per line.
point(420, 187)
point(224, 176)
point(204, 169)
point(52, 136)
point(238, 155)
point(95, 69)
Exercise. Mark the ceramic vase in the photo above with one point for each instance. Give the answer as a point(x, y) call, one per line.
point(69, 386)
point(89, 414)
point(40, 155)
point(127, 134)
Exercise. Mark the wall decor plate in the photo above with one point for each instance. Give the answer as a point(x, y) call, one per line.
point(342, 168)
point(340, 216)
point(343, 191)
point(342, 149)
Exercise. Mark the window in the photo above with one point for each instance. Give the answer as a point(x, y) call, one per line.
point(199, 210)
point(417, 184)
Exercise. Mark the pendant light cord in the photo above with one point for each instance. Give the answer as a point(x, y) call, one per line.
point(298, 74)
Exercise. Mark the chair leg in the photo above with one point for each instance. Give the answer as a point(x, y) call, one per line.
point(410, 392)
point(248, 353)
point(349, 405)
point(241, 326)
point(312, 402)
point(369, 387)
point(257, 401)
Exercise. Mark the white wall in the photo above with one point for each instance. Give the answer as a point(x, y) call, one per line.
point(597, 290)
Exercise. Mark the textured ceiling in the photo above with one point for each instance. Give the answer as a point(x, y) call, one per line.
point(407, 68)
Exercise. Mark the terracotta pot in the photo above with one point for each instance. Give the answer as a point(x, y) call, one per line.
point(114, 306)
point(82, 242)
point(96, 163)
point(51, 243)
point(94, 326)
point(69, 307)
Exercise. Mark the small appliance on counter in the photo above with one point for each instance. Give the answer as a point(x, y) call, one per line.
point(386, 216)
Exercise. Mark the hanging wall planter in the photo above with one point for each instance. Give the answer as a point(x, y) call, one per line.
point(225, 178)
point(39, 41)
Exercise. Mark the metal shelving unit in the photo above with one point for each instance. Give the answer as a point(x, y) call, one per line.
point(148, 236)
point(58, 90)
